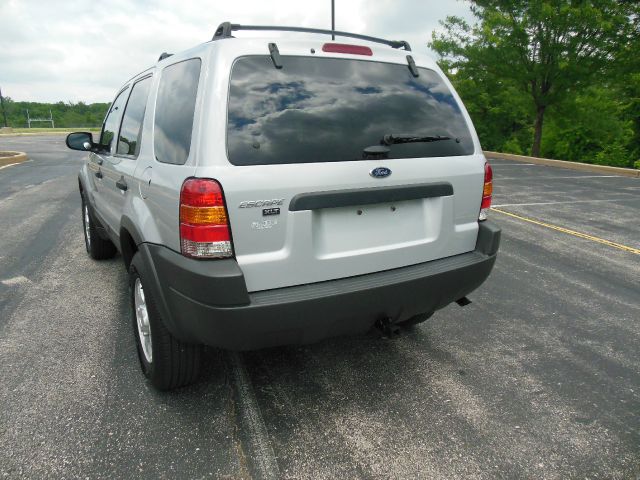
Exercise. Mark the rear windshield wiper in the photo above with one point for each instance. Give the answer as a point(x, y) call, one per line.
point(393, 139)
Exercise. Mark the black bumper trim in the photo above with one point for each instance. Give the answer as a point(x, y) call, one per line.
point(215, 282)
point(212, 306)
point(364, 282)
point(488, 238)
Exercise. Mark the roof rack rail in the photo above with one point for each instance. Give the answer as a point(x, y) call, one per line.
point(224, 31)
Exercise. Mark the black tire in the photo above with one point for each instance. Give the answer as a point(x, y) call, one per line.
point(173, 363)
point(97, 247)
point(415, 320)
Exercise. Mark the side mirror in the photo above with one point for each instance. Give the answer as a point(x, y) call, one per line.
point(82, 141)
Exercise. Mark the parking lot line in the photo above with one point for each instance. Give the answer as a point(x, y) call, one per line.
point(571, 232)
point(9, 165)
point(626, 199)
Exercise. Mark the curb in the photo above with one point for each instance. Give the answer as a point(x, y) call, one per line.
point(17, 157)
point(584, 167)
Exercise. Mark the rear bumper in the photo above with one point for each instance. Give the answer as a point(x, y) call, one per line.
point(207, 302)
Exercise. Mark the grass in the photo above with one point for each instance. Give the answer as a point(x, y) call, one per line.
point(56, 130)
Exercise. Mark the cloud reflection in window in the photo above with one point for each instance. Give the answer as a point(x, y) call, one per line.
point(326, 110)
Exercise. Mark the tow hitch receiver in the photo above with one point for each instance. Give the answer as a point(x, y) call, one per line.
point(387, 327)
point(463, 302)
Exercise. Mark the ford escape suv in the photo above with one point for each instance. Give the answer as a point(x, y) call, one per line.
point(270, 191)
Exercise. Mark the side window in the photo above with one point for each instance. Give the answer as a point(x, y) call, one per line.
point(113, 119)
point(131, 129)
point(175, 108)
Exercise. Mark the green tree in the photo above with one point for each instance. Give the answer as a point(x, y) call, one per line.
point(592, 127)
point(545, 49)
point(500, 112)
point(64, 114)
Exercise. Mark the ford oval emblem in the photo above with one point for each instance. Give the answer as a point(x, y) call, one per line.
point(380, 172)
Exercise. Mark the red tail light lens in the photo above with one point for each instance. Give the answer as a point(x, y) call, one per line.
point(344, 48)
point(487, 192)
point(204, 223)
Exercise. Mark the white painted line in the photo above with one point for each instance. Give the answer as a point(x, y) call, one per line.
point(260, 448)
point(9, 165)
point(9, 282)
point(635, 198)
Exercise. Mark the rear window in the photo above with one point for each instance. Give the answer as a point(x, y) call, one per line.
point(175, 108)
point(330, 110)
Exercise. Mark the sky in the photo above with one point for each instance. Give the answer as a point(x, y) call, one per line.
point(83, 50)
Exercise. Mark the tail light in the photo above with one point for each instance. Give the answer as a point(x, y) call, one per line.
point(204, 224)
point(487, 191)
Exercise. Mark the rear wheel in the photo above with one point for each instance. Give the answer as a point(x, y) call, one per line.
point(97, 247)
point(167, 362)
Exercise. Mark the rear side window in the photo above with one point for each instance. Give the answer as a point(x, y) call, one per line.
point(131, 129)
point(113, 119)
point(175, 108)
point(330, 110)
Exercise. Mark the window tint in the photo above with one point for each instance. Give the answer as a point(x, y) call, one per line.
point(328, 110)
point(174, 111)
point(131, 129)
point(113, 119)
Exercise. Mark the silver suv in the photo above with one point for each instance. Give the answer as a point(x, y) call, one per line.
point(270, 191)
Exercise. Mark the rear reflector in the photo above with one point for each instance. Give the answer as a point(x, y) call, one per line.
point(204, 224)
point(345, 48)
point(204, 233)
point(487, 191)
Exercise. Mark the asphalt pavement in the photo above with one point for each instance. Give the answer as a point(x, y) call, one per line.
point(538, 378)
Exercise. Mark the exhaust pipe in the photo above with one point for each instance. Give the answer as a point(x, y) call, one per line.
point(387, 327)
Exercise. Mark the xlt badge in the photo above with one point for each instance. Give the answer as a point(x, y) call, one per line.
point(270, 211)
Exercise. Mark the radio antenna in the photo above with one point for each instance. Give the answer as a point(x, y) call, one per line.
point(333, 19)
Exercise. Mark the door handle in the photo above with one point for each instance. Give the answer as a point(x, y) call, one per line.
point(99, 174)
point(100, 161)
point(121, 184)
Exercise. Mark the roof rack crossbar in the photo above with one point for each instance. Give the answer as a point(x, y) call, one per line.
point(224, 30)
